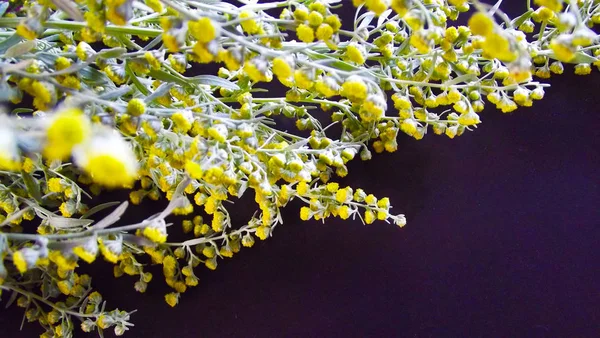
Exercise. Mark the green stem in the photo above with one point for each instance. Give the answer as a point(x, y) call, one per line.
point(76, 26)
point(42, 300)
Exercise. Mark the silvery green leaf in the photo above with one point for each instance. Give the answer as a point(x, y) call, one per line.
point(32, 185)
point(366, 20)
point(6, 92)
point(48, 59)
point(9, 42)
point(67, 245)
point(383, 16)
point(60, 222)
point(160, 91)
point(243, 187)
point(462, 78)
point(13, 297)
point(39, 211)
point(69, 8)
point(99, 208)
point(167, 77)
point(136, 82)
point(20, 49)
point(518, 21)
point(212, 80)
point(137, 240)
point(112, 52)
point(10, 67)
point(93, 76)
point(178, 198)
point(582, 57)
point(114, 94)
point(112, 218)
point(3, 243)
point(17, 111)
point(3, 8)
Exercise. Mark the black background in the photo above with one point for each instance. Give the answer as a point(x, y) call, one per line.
point(502, 241)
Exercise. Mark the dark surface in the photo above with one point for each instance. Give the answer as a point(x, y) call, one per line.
point(502, 241)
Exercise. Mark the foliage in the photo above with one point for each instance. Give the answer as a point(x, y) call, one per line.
point(103, 98)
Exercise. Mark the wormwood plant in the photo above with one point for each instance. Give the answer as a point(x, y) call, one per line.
point(101, 97)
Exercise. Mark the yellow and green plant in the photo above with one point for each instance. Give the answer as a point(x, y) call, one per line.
point(173, 100)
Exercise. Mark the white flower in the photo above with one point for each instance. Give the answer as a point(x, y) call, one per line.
point(9, 151)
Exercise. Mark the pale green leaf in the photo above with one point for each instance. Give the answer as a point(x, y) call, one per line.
point(99, 208)
point(212, 80)
point(20, 49)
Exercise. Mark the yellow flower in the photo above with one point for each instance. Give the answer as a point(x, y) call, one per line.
point(401, 7)
point(28, 166)
point(88, 251)
point(137, 196)
point(305, 213)
point(554, 5)
point(231, 59)
point(420, 41)
point(108, 160)
point(481, 24)
point(282, 68)
point(303, 79)
point(344, 212)
point(61, 63)
point(193, 169)
point(170, 41)
point(44, 95)
point(354, 88)
point(20, 262)
point(66, 209)
point(256, 69)
point(377, 6)
point(65, 263)
point(249, 25)
point(583, 69)
point(218, 132)
point(373, 108)
point(409, 126)
point(369, 217)
point(344, 195)
point(497, 46)
point(67, 129)
point(156, 5)
point(182, 121)
point(204, 30)
point(562, 49)
point(248, 241)
point(209, 251)
point(332, 187)
point(26, 32)
point(324, 32)
point(64, 286)
point(302, 188)
point(356, 53)
point(155, 234)
point(218, 221)
point(262, 232)
point(469, 119)
point(136, 107)
point(55, 185)
point(305, 33)
point(172, 298)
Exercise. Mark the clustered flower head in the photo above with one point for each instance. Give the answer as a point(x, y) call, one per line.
point(106, 95)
